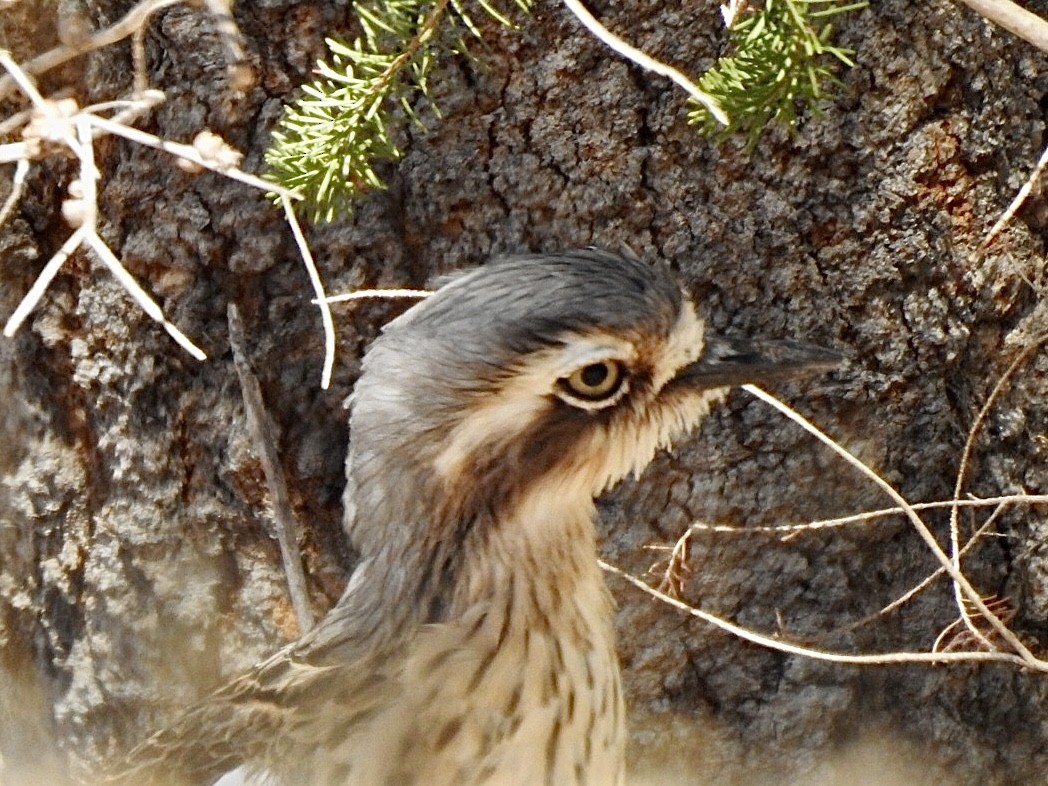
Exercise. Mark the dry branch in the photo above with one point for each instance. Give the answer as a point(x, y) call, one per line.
point(263, 434)
point(1013, 18)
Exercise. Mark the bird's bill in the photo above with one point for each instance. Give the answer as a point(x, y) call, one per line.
point(731, 361)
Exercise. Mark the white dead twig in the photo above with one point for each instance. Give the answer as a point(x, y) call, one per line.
point(730, 12)
point(947, 647)
point(950, 637)
point(1023, 654)
point(133, 24)
point(645, 61)
point(56, 122)
point(1013, 18)
point(962, 474)
point(367, 294)
point(189, 153)
point(781, 645)
point(676, 563)
point(672, 575)
point(934, 576)
point(1016, 204)
point(318, 290)
point(77, 129)
point(133, 20)
point(240, 73)
point(17, 184)
point(789, 531)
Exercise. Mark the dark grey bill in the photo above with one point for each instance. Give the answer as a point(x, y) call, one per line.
point(737, 361)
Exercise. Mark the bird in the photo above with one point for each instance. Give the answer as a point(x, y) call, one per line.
point(473, 644)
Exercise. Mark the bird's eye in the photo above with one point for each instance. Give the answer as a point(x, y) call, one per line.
point(595, 381)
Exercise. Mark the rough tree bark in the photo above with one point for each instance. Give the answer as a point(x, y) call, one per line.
point(137, 569)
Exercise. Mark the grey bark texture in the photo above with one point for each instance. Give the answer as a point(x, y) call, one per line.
point(138, 569)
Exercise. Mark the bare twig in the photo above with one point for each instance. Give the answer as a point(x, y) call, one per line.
point(672, 581)
point(318, 290)
point(222, 14)
point(127, 25)
point(962, 473)
point(976, 600)
point(1013, 208)
point(17, 183)
point(189, 153)
point(66, 123)
point(15, 151)
point(89, 182)
point(930, 579)
point(139, 67)
point(730, 11)
point(263, 434)
point(60, 121)
point(645, 61)
point(958, 636)
point(809, 652)
point(144, 301)
point(17, 75)
point(32, 297)
point(792, 530)
point(1013, 18)
point(365, 294)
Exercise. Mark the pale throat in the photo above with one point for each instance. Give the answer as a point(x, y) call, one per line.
point(544, 542)
point(532, 681)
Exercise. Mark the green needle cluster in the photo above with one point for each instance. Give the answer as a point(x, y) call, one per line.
point(328, 142)
point(783, 59)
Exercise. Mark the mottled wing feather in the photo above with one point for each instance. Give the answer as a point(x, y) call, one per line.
point(277, 706)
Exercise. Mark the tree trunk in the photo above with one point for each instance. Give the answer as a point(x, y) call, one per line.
point(138, 569)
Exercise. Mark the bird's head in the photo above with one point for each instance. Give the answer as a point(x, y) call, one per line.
point(560, 372)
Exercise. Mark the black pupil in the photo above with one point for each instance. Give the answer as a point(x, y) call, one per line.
point(595, 375)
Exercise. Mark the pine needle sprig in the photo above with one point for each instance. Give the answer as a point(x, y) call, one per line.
point(782, 64)
point(328, 142)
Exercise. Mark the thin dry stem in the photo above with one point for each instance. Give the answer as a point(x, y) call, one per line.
point(672, 581)
point(930, 579)
point(791, 530)
point(962, 474)
point(365, 294)
point(836, 657)
point(89, 181)
point(222, 13)
point(1013, 208)
point(32, 297)
point(263, 434)
point(133, 20)
point(1013, 18)
point(17, 75)
point(17, 184)
point(63, 121)
point(140, 296)
point(730, 11)
point(76, 131)
point(189, 153)
point(1005, 633)
point(645, 61)
point(140, 76)
point(13, 152)
point(957, 636)
point(318, 290)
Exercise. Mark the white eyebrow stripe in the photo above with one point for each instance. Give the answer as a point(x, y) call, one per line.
point(605, 350)
point(684, 345)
